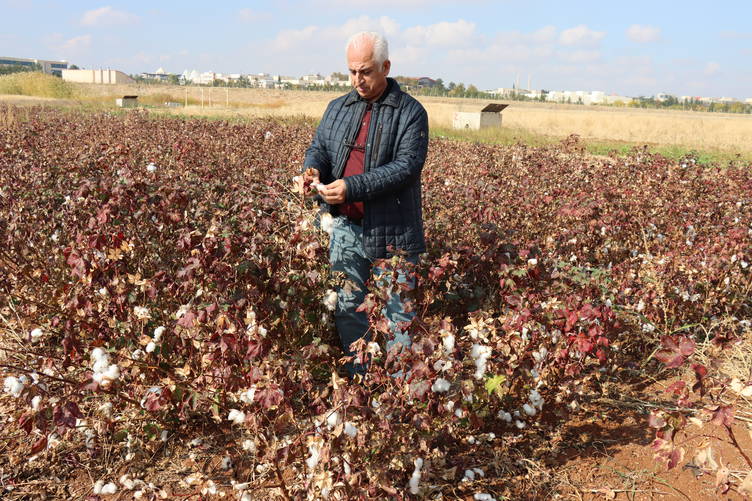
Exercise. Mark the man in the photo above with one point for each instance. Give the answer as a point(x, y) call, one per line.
point(366, 160)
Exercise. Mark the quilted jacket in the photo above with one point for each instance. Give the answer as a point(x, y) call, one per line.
point(390, 186)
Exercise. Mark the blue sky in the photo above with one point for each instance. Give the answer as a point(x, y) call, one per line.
point(638, 48)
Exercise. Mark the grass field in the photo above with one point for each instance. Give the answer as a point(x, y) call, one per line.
point(710, 136)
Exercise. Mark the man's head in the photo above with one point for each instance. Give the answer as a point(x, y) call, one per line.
point(368, 63)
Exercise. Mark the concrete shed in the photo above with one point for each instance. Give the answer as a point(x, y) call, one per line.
point(127, 101)
point(489, 116)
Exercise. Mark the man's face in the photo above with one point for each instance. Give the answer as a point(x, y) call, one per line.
point(365, 75)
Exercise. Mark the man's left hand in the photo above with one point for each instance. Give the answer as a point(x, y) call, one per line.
point(334, 193)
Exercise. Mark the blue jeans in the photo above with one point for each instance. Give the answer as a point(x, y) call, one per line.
point(346, 255)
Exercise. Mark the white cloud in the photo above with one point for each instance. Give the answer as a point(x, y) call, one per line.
point(643, 34)
point(712, 68)
point(581, 35)
point(76, 43)
point(106, 16)
point(292, 39)
point(444, 34)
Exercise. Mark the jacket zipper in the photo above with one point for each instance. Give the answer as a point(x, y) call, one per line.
point(376, 144)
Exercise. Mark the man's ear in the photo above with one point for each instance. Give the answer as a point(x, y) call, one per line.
point(386, 66)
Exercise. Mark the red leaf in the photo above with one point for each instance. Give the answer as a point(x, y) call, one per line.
point(675, 458)
point(270, 397)
point(39, 445)
point(723, 415)
point(187, 320)
point(676, 388)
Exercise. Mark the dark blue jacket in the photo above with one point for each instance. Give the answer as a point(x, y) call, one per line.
point(396, 149)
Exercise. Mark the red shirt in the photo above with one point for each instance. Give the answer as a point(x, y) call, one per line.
point(355, 165)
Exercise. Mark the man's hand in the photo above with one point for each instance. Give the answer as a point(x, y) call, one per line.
point(334, 193)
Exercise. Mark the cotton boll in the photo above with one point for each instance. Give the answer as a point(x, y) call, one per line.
point(158, 333)
point(504, 416)
point(151, 347)
point(98, 354)
point(350, 430)
point(248, 396)
point(108, 488)
point(529, 409)
point(236, 416)
point(480, 354)
point(36, 335)
point(469, 476)
point(479, 472)
point(519, 424)
point(101, 365)
point(314, 451)
point(330, 300)
point(137, 354)
point(447, 340)
point(440, 385)
point(13, 386)
point(415, 477)
point(151, 167)
point(327, 222)
point(141, 312)
point(249, 445)
point(332, 420)
point(226, 463)
point(482, 496)
point(35, 402)
point(112, 373)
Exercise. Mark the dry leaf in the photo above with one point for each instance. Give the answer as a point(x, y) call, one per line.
point(746, 486)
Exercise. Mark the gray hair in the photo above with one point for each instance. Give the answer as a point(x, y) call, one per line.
point(380, 45)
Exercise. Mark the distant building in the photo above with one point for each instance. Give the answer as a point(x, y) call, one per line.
point(159, 75)
point(97, 76)
point(426, 82)
point(49, 67)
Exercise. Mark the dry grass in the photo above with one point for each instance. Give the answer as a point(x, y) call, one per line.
point(36, 84)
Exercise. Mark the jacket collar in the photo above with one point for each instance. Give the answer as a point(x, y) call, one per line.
point(390, 97)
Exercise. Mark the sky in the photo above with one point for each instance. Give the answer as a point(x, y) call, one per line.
point(637, 48)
